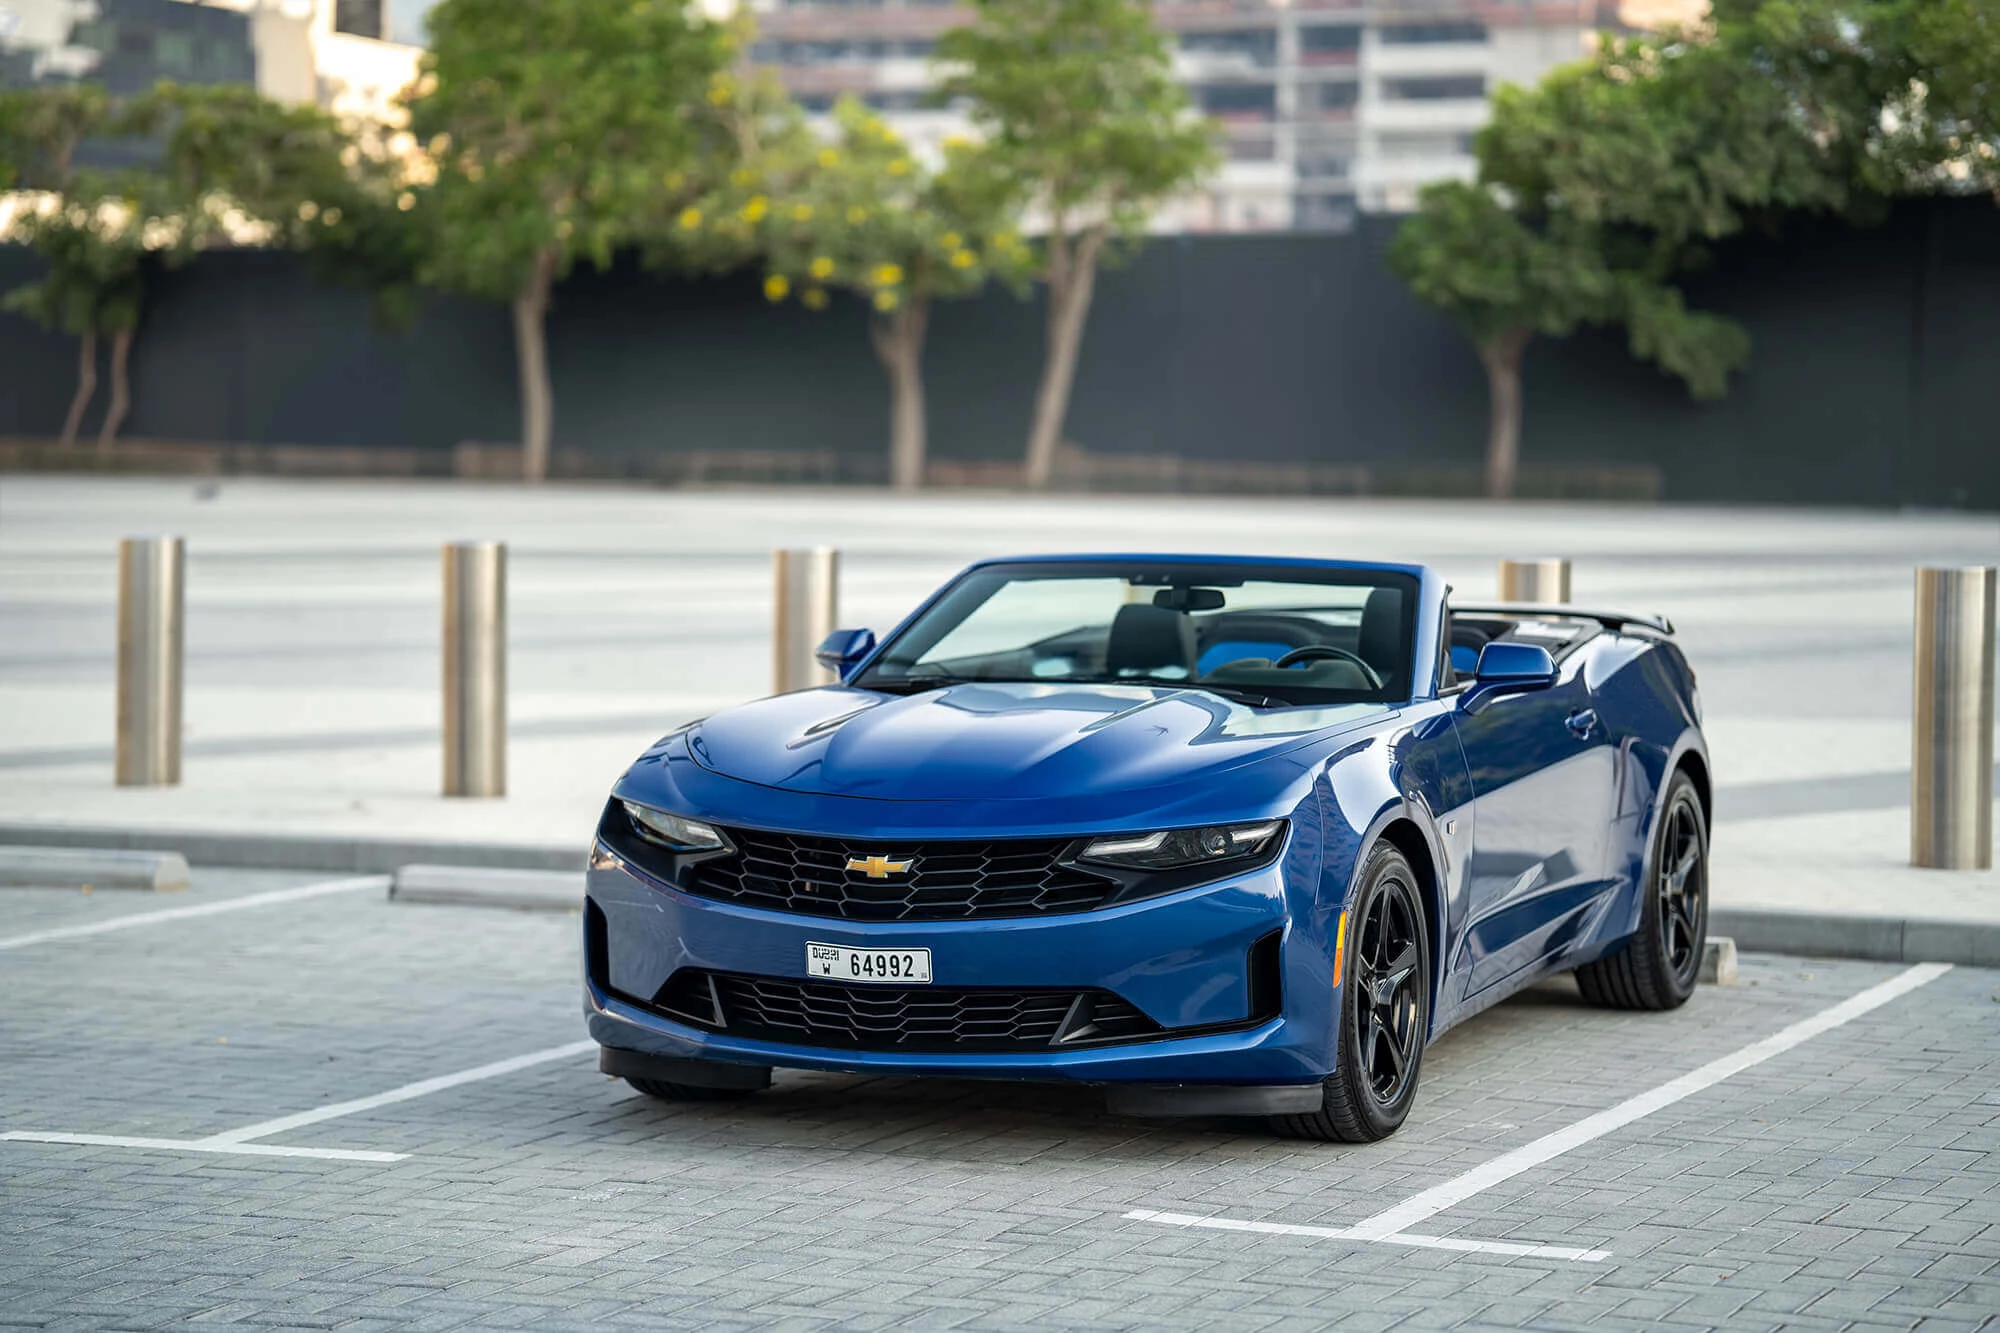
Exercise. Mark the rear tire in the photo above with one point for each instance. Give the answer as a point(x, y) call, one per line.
point(1657, 966)
point(683, 1092)
point(1384, 1010)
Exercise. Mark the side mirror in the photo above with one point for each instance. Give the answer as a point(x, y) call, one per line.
point(841, 651)
point(1514, 666)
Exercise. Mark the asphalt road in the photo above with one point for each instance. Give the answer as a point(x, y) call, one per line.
point(251, 1169)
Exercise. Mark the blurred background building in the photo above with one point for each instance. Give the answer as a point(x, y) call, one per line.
point(1330, 106)
point(337, 53)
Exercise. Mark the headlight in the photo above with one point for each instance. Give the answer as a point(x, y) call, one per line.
point(675, 831)
point(1174, 849)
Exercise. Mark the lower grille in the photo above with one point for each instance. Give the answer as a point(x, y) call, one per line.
point(838, 1016)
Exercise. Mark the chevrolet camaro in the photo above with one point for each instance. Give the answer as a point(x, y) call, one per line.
point(1224, 835)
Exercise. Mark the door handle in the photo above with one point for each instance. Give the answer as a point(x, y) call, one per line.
point(1581, 722)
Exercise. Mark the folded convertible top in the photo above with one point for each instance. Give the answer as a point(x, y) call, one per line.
point(1611, 620)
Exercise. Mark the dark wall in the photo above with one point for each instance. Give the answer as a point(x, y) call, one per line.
point(1876, 377)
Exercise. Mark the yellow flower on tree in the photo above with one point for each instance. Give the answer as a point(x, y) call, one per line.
point(887, 275)
point(900, 167)
point(886, 300)
point(802, 212)
point(742, 176)
point(690, 219)
point(963, 259)
point(951, 240)
point(829, 157)
point(821, 269)
point(755, 210)
point(813, 298)
point(776, 287)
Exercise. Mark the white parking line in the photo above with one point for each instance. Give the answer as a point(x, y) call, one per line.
point(204, 1145)
point(1347, 1233)
point(239, 1140)
point(1391, 1225)
point(130, 920)
point(263, 1129)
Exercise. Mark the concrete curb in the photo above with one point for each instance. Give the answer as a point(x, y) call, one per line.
point(90, 868)
point(1889, 939)
point(351, 855)
point(485, 886)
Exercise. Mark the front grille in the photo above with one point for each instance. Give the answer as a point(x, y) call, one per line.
point(839, 1016)
point(944, 881)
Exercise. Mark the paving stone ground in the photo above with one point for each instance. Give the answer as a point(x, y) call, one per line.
point(1851, 1182)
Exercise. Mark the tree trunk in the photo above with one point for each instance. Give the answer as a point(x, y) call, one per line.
point(121, 387)
point(1502, 358)
point(1072, 276)
point(86, 387)
point(531, 354)
point(899, 345)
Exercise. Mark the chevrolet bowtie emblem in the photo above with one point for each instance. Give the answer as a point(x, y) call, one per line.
point(877, 867)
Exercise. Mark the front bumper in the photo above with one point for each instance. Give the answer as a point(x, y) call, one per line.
point(1180, 959)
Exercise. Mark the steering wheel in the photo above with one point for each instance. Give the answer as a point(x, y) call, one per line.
point(1316, 650)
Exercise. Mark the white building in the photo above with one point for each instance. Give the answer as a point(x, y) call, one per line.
point(1330, 106)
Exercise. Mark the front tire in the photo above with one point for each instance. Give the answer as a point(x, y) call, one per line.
point(1657, 966)
point(1384, 1010)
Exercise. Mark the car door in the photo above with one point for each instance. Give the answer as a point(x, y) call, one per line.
point(1544, 790)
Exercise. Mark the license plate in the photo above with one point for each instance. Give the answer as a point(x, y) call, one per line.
point(901, 967)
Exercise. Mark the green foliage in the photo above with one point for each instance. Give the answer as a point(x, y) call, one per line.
point(558, 127)
point(1671, 138)
point(40, 129)
point(1079, 106)
point(94, 242)
point(1468, 255)
point(860, 212)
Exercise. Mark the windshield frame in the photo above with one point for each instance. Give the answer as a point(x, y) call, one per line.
point(1400, 687)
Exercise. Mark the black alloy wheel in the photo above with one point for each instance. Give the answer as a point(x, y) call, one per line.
point(1386, 1001)
point(1657, 966)
point(1384, 1006)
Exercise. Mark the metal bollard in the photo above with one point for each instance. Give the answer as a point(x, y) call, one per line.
point(475, 669)
point(805, 604)
point(1951, 764)
point(1534, 581)
point(150, 639)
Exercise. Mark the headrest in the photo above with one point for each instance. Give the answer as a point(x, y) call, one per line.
point(1151, 640)
point(1381, 641)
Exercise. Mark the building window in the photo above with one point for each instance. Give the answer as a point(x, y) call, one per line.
point(363, 18)
point(1441, 88)
point(1333, 96)
point(1248, 101)
point(1426, 145)
point(1423, 34)
point(1323, 42)
point(1323, 212)
point(1254, 46)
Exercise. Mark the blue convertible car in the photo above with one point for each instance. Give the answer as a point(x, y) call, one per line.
point(1227, 836)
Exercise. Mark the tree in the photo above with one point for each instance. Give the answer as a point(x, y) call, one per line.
point(1082, 115)
point(94, 231)
point(215, 165)
point(1467, 254)
point(556, 127)
point(94, 242)
point(859, 213)
point(1600, 185)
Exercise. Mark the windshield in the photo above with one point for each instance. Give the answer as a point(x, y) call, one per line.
point(1265, 634)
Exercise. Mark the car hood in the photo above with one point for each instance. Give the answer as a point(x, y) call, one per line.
point(1000, 741)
